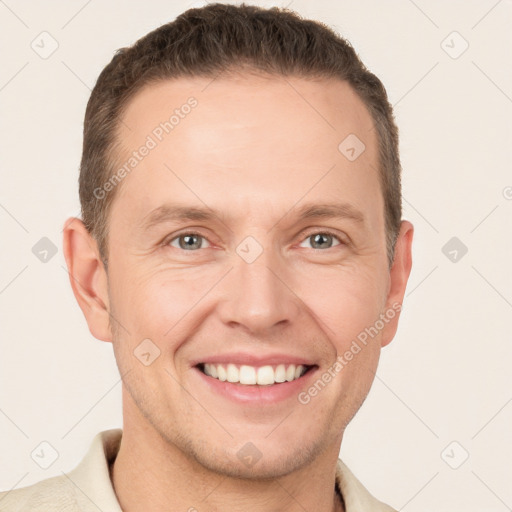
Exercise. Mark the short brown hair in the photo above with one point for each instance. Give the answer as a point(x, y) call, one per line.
point(220, 38)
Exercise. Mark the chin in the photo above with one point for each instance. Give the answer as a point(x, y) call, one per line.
point(254, 461)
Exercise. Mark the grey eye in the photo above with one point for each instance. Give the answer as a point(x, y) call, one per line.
point(322, 240)
point(188, 241)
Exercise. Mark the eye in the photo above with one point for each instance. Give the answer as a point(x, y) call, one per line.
point(322, 240)
point(188, 241)
point(192, 241)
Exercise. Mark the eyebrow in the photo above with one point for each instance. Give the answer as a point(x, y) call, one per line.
point(173, 212)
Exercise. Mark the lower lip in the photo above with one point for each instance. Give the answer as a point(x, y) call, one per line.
point(249, 394)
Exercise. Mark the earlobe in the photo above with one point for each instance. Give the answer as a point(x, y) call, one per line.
point(87, 277)
point(399, 275)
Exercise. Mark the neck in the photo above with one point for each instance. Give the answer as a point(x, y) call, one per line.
point(149, 473)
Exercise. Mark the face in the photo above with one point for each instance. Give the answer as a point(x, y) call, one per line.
point(247, 258)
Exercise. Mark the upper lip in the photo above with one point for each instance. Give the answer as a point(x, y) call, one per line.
point(239, 358)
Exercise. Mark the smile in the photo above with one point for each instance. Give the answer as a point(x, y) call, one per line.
point(252, 375)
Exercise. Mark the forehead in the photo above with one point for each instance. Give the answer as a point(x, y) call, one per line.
point(245, 143)
point(254, 103)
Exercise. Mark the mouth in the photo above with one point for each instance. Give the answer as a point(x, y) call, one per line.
point(245, 375)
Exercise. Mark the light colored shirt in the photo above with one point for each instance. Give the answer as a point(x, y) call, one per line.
point(88, 488)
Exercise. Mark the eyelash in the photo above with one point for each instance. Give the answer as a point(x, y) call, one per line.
point(305, 236)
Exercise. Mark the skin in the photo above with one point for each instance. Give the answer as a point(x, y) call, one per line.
point(256, 149)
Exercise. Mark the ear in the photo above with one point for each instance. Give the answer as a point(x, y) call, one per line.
point(88, 277)
point(398, 277)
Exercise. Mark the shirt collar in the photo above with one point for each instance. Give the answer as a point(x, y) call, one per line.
point(91, 476)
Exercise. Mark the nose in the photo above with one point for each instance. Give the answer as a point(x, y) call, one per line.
point(257, 296)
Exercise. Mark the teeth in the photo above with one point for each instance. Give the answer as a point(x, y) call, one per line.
point(250, 375)
point(265, 376)
point(280, 374)
point(213, 371)
point(247, 375)
point(290, 373)
point(221, 372)
point(233, 373)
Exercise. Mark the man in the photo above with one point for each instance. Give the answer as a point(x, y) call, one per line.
point(241, 246)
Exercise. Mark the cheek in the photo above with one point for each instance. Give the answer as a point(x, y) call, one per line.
point(154, 304)
point(344, 300)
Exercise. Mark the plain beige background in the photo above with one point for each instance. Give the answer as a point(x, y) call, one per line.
point(443, 390)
